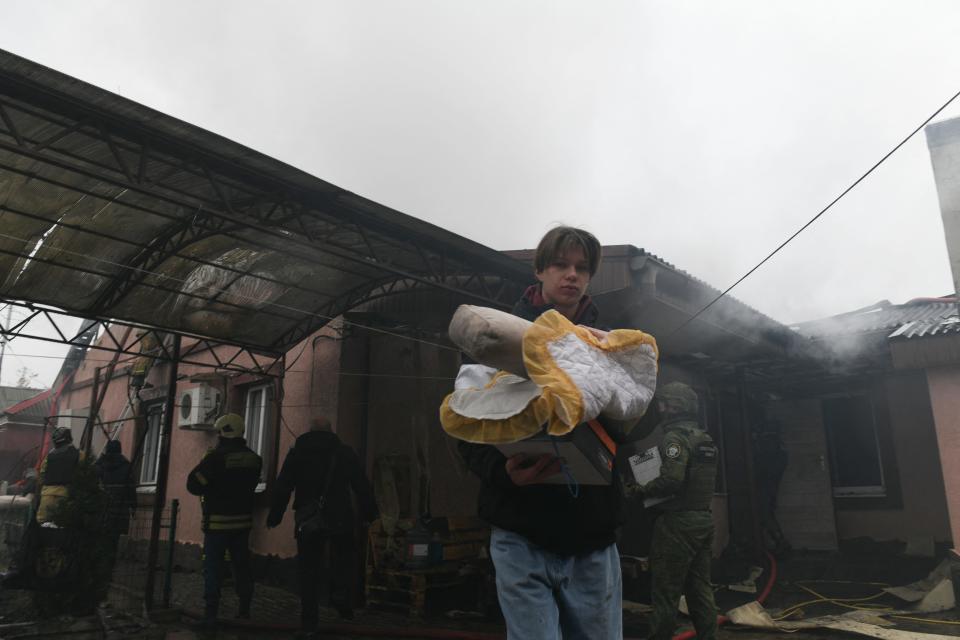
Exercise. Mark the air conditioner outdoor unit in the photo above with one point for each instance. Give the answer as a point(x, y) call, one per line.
point(198, 407)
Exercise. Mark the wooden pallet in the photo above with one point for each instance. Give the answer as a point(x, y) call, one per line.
point(421, 592)
point(451, 584)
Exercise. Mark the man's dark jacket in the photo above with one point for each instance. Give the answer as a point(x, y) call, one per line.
point(546, 514)
point(114, 472)
point(61, 464)
point(227, 479)
point(304, 473)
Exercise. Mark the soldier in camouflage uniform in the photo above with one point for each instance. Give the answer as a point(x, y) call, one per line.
point(683, 533)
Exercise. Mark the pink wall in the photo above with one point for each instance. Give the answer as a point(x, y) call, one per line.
point(311, 387)
point(806, 507)
point(944, 385)
point(19, 447)
point(402, 400)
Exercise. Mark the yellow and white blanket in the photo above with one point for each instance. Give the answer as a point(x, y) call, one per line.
point(570, 376)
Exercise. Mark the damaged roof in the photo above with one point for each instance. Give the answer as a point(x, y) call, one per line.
point(31, 409)
point(918, 317)
point(111, 210)
point(929, 327)
point(731, 340)
point(10, 396)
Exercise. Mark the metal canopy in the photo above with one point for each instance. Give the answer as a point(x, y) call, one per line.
point(110, 210)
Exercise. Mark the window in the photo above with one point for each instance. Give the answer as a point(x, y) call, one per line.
point(856, 467)
point(150, 462)
point(258, 415)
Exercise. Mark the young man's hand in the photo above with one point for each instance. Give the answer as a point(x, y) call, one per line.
point(524, 469)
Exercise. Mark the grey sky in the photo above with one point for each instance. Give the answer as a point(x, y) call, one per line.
point(704, 132)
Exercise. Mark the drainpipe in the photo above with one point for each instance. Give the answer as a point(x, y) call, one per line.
point(160, 497)
point(86, 439)
point(364, 449)
point(365, 406)
point(278, 393)
point(943, 143)
point(748, 458)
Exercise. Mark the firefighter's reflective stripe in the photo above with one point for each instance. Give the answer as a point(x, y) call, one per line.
point(49, 496)
point(217, 522)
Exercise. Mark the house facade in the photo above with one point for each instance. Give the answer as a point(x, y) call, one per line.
point(380, 372)
point(872, 442)
point(21, 429)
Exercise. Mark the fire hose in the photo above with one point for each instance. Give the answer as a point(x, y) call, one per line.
point(721, 620)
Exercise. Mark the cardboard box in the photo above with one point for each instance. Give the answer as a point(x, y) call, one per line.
point(587, 451)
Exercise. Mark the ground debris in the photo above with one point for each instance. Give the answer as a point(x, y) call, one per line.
point(862, 623)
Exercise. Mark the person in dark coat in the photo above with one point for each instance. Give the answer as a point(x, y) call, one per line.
point(770, 462)
point(306, 473)
point(113, 470)
point(226, 479)
point(557, 565)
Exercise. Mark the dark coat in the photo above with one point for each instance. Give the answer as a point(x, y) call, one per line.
point(227, 480)
point(547, 515)
point(113, 470)
point(304, 474)
point(60, 465)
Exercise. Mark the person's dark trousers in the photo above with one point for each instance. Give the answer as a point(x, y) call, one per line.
point(111, 546)
point(680, 554)
point(215, 546)
point(340, 576)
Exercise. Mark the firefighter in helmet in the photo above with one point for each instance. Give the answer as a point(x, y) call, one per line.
point(57, 471)
point(226, 480)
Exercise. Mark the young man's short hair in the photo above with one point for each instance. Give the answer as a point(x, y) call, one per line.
point(559, 240)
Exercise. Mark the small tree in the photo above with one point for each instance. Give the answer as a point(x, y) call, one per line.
point(26, 378)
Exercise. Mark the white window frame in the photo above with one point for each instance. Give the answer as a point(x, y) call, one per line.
point(258, 415)
point(262, 415)
point(152, 411)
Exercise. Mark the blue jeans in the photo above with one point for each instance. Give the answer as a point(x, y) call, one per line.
point(545, 595)
point(215, 546)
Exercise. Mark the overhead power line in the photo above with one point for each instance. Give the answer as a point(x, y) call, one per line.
point(816, 217)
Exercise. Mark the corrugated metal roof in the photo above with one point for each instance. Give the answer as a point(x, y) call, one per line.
point(923, 328)
point(35, 408)
point(10, 396)
point(917, 318)
point(882, 317)
point(111, 210)
point(626, 251)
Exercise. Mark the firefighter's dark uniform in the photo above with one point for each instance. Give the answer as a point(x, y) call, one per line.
point(56, 472)
point(226, 479)
point(683, 533)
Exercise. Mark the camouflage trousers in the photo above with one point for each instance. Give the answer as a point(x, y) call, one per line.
point(680, 565)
